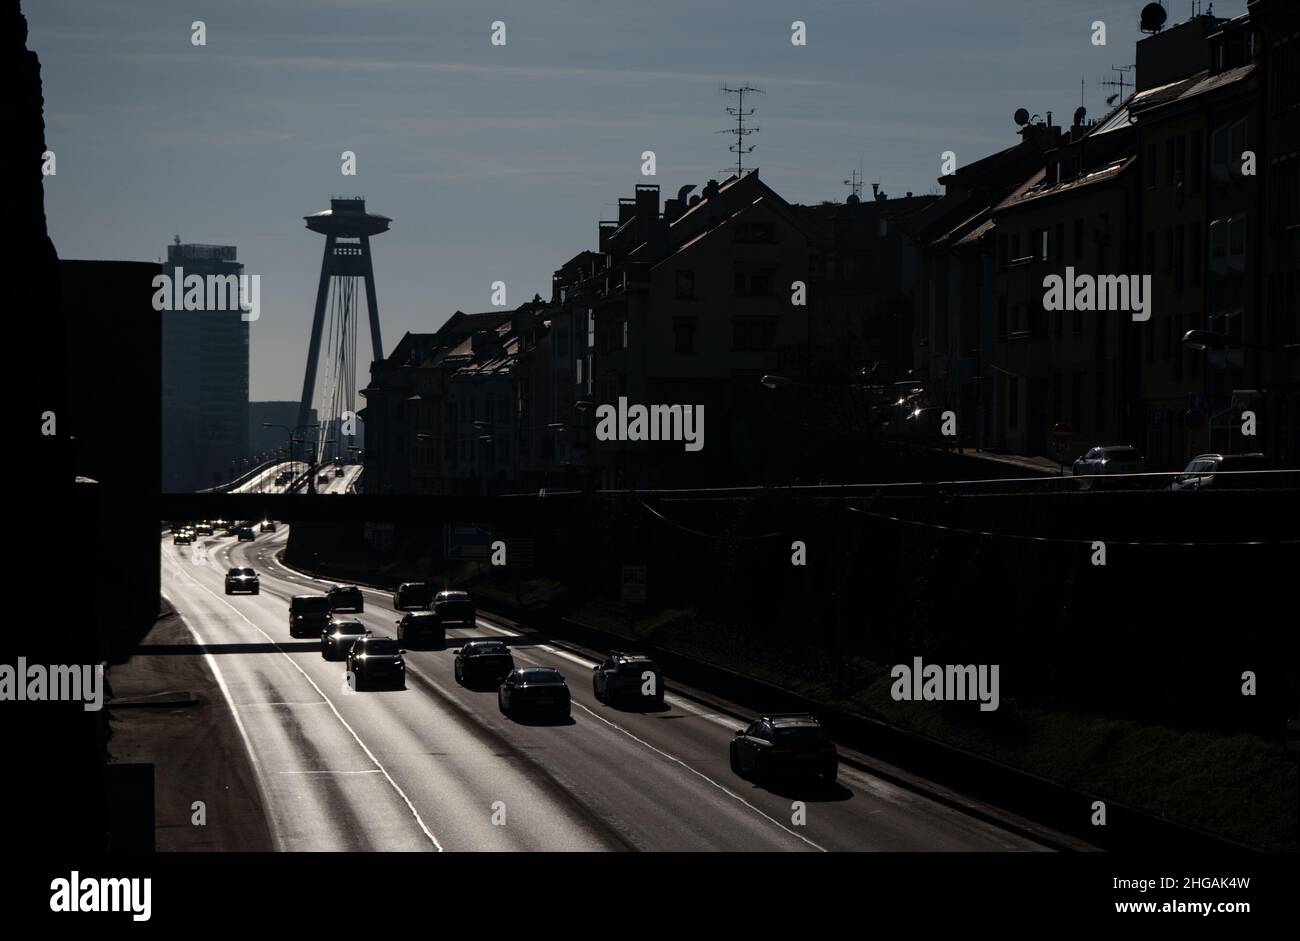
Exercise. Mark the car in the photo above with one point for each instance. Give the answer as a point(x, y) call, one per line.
point(627, 675)
point(245, 534)
point(1109, 459)
point(346, 598)
point(339, 636)
point(421, 627)
point(375, 659)
point(411, 595)
point(181, 537)
point(483, 661)
point(338, 472)
point(308, 615)
point(784, 744)
point(268, 526)
point(534, 690)
point(242, 579)
point(203, 529)
point(231, 530)
point(454, 606)
point(283, 478)
point(1199, 474)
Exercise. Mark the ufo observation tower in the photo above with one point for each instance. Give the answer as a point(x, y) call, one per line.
point(346, 265)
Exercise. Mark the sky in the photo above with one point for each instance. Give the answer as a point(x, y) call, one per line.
point(495, 163)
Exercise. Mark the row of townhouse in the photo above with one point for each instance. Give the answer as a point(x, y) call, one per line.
point(1193, 181)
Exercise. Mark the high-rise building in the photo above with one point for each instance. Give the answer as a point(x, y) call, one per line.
point(204, 375)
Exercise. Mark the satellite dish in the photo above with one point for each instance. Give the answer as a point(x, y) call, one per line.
point(1153, 18)
point(1021, 117)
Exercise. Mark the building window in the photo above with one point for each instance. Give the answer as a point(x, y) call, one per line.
point(752, 334)
point(1151, 169)
point(1180, 251)
point(1194, 171)
point(1058, 249)
point(753, 280)
point(1197, 250)
point(754, 232)
point(1078, 239)
point(1002, 315)
point(685, 285)
point(1040, 245)
point(1013, 402)
point(683, 334)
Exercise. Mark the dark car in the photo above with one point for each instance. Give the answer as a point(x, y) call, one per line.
point(337, 639)
point(454, 606)
point(246, 534)
point(267, 526)
point(242, 579)
point(774, 745)
point(534, 690)
point(410, 595)
point(346, 598)
point(203, 529)
point(338, 472)
point(376, 660)
point(627, 675)
point(483, 662)
point(308, 615)
point(181, 537)
point(421, 628)
point(1200, 473)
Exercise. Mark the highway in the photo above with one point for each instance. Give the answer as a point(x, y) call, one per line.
point(437, 767)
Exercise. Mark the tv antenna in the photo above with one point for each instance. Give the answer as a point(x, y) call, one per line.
point(1121, 83)
point(854, 183)
point(739, 148)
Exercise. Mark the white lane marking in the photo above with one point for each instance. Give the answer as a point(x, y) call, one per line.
point(582, 661)
point(698, 774)
point(258, 771)
point(367, 771)
point(371, 755)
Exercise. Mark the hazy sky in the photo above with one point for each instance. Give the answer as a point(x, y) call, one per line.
point(496, 163)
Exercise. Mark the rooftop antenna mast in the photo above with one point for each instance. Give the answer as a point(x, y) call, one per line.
point(854, 183)
point(1121, 83)
point(739, 148)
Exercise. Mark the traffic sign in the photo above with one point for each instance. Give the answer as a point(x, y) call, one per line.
point(1063, 433)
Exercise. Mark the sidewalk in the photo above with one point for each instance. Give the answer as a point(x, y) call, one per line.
point(167, 710)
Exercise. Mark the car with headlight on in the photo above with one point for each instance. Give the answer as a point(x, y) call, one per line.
point(454, 607)
point(784, 745)
point(337, 639)
point(268, 526)
point(374, 660)
point(242, 579)
point(308, 615)
point(203, 529)
point(627, 676)
point(412, 595)
point(181, 537)
point(346, 598)
point(421, 629)
point(534, 691)
point(483, 663)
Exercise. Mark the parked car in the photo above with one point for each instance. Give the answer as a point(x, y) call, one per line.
point(420, 628)
point(242, 579)
point(454, 606)
point(483, 661)
point(411, 595)
point(790, 744)
point(1199, 474)
point(339, 636)
point(1108, 461)
point(308, 615)
point(627, 675)
point(346, 598)
point(534, 690)
point(374, 659)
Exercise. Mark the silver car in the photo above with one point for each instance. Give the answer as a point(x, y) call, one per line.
point(1110, 459)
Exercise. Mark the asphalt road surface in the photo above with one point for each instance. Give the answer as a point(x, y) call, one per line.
point(436, 766)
